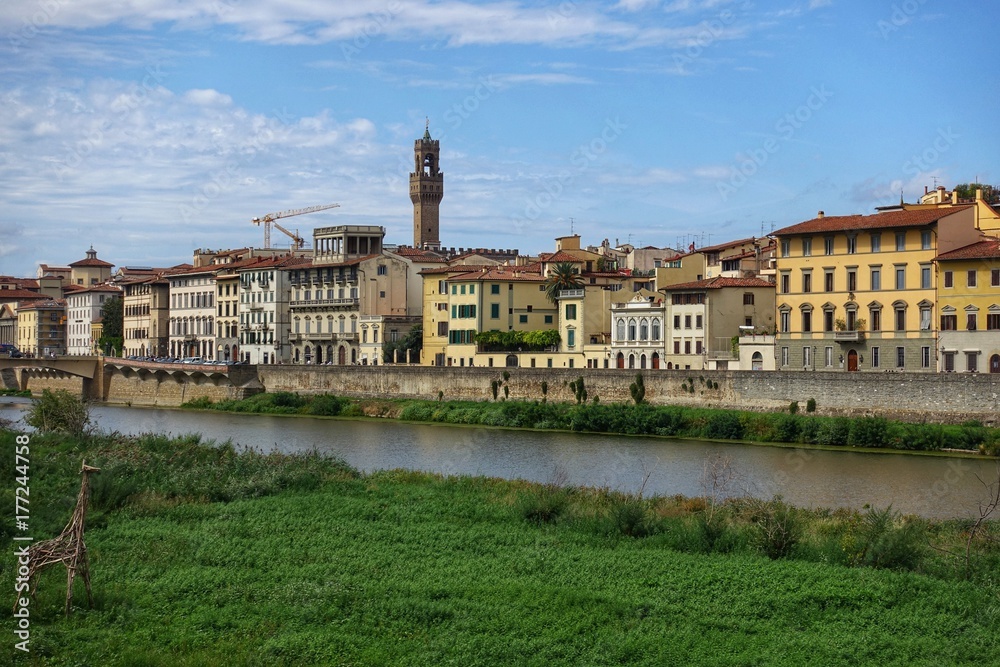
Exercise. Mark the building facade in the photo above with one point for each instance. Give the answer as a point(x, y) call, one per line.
point(858, 293)
point(83, 309)
point(969, 299)
point(192, 313)
point(145, 317)
point(426, 192)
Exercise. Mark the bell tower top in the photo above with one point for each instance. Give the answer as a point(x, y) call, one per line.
point(426, 190)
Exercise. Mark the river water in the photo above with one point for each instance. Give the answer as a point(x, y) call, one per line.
point(935, 487)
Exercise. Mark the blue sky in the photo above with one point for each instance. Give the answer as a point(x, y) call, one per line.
point(153, 127)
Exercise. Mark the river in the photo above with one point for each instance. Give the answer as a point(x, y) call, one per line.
point(930, 486)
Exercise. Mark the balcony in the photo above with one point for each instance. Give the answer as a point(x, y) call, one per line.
point(848, 336)
point(571, 293)
point(349, 303)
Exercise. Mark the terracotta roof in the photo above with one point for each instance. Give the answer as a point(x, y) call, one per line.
point(503, 274)
point(99, 288)
point(453, 268)
point(560, 256)
point(886, 220)
point(92, 262)
point(723, 246)
point(719, 282)
point(19, 295)
point(416, 253)
point(985, 249)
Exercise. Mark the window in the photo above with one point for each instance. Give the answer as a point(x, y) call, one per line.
point(876, 277)
point(949, 279)
point(785, 281)
point(807, 281)
point(828, 245)
point(925, 318)
point(748, 298)
point(784, 356)
point(900, 277)
point(807, 356)
point(925, 277)
point(900, 357)
point(454, 289)
point(875, 314)
point(382, 270)
point(971, 362)
point(677, 347)
point(643, 330)
point(570, 311)
point(995, 277)
point(971, 277)
point(828, 281)
point(828, 356)
point(697, 347)
point(656, 329)
point(786, 246)
point(472, 289)
point(993, 321)
point(687, 347)
point(687, 321)
point(631, 330)
point(828, 320)
point(494, 289)
point(852, 280)
point(495, 311)
point(900, 241)
point(698, 321)
point(852, 245)
point(807, 247)
point(876, 361)
point(925, 357)
point(925, 239)
point(949, 322)
point(900, 318)
point(677, 321)
point(784, 321)
point(949, 362)
point(970, 321)
point(876, 243)
point(807, 321)
point(523, 319)
point(462, 291)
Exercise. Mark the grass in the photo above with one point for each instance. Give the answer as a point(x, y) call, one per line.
point(204, 557)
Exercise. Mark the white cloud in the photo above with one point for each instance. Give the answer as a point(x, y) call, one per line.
point(207, 98)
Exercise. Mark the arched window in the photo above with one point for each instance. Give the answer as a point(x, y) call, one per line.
point(631, 361)
point(656, 328)
point(631, 331)
point(620, 329)
point(644, 330)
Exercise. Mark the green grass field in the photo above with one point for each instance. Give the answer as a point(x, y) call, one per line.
point(200, 556)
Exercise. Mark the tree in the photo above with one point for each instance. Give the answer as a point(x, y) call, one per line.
point(408, 346)
point(562, 276)
point(59, 411)
point(991, 193)
point(112, 332)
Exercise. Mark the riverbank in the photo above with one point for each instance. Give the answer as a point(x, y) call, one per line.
point(868, 432)
point(200, 555)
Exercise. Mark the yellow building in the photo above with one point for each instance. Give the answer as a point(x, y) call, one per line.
point(858, 292)
point(41, 328)
point(969, 302)
point(987, 219)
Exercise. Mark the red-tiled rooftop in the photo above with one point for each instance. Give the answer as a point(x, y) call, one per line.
point(92, 261)
point(19, 295)
point(985, 249)
point(719, 282)
point(889, 219)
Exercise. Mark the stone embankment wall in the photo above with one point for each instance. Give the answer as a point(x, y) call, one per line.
point(167, 391)
point(911, 397)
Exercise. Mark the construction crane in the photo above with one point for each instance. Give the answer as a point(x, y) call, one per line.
point(268, 220)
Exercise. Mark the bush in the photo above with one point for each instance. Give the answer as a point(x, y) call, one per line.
point(811, 405)
point(327, 405)
point(544, 506)
point(886, 541)
point(724, 426)
point(631, 517)
point(777, 527)
point(834, 432)
point(868, 432)
point(786, 429)
point(793, 407)
point(59, 411)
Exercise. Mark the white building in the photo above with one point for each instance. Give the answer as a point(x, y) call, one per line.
point(192, 313)
point(637, 331)
point(263, 309)
point(83, 309)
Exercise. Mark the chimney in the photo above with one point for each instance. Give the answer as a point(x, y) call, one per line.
point(954, 196)
point(820, 214)
point(979, 194)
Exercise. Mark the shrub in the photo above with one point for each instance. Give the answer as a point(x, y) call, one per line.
point(546, 505)
point(777, 527)
point(886, 541)
point(793, 407)
point(59, 411)
point(868, 432)
point(631, 517)
point(327, 405)
point(786, 428)
point(834, 432)
point(200, 403)
point(811, 405)
point(724, 426)
point(638, 389)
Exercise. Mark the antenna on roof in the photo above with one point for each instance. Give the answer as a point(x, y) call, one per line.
point(571, 222)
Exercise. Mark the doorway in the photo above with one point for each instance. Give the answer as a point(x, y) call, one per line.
point(852, 361)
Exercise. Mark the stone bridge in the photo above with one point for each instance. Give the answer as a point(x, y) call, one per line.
point(119, 380)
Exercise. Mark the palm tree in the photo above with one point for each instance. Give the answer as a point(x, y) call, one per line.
point(562, 276)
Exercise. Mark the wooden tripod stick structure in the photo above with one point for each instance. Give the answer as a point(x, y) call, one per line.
point(68, 548)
